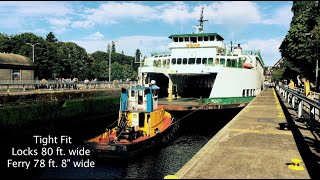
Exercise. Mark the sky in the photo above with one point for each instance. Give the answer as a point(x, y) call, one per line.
point(256, 25)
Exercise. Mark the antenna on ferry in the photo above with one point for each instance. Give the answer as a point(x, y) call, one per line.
point(199, 27)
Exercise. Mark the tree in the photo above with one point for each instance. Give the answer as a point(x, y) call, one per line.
point(108, 48)
point(5, 43)
point(51, 37)
point(297, 49)
point(277, 74)
point(113, 47)
point(138, 55)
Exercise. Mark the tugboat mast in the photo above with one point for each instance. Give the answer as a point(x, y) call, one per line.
point(199, 27)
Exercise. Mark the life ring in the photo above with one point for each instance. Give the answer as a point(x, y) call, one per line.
point(247, 66)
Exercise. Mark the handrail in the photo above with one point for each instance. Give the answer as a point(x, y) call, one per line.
point(304, 98)
point(295, 94)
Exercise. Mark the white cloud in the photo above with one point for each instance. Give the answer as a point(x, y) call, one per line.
point(128, 44)
point(227, 13)
point(35, 8)
point(82, 24)
point(40, 31)
point(232, 12)
point(282, 16)
point(269, 48)
point(95, 36)
point(59, 22)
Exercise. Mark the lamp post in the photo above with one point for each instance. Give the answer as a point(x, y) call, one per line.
point(110, 60)
point(33, 50)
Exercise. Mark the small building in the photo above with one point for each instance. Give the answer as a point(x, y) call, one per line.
point(16, 67)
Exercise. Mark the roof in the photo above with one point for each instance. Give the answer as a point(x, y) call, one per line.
point(14, 59)
point(196, 35)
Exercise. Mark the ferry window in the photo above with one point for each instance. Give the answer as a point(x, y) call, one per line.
point(228, 63)
point(163, 63)
point(254, 92)
point(193, 39)
point(204, 61)
point(179, 61)
point(157, 63)
point(200, 38)
point(222, 61)
point(132, 93)
point(168, 62)
point(251, 92)
point(205, 38)
point(216, 61)
point(211, 38)
point(192, 60)
point(248, 92)
point(239, 63)
point(175, 39)
point(210, 61)
point(244, 93)
point(180, 39)
point(198, 60)
point(186, 39)
point(173, 60)
point(233, 62)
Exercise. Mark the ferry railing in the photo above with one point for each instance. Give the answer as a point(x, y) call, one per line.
point(301, 103)
point(24, 85)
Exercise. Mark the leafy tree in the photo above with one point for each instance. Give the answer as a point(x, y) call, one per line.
point(113, 47)
point(108, 48)
point(297, 49)
point(5, 43)
point(51, 37)
point(138, 55)
point(277, 74)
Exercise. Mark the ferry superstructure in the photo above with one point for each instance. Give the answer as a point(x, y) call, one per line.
point(200, 65)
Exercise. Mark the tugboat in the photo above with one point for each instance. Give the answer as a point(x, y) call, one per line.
point(142, 124)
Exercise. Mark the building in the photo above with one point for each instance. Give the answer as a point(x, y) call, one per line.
point(16, 67)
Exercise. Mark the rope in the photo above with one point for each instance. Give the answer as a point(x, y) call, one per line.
point(189, 114)
point(112, 123)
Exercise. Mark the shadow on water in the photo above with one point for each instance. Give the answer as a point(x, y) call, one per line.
point(195, 131)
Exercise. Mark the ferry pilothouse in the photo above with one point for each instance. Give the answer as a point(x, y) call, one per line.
point(200, 65)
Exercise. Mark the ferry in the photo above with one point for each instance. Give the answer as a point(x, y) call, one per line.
point(142, 124)
point(200, 65)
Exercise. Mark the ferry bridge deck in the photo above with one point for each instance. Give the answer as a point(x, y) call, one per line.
point(251, 145)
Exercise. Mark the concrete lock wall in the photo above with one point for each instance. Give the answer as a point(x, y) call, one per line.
point(16, 116)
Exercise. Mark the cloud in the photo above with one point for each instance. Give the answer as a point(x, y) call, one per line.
point(128, 44)
point(82, 24)
point(27, 14)
point(269, 48)
point(59, 22)
point(243, 12)
point(282, 16)
point(35, 8)
point(232, 12)
point(39, 31)
point(95, 36)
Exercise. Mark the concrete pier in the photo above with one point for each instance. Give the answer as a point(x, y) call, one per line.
point(251, 146)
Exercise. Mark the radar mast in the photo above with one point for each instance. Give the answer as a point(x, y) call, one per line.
point(199, 28)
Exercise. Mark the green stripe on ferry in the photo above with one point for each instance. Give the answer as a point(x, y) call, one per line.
point(227, 100)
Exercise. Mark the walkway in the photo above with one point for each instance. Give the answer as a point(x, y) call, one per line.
point(249, 146)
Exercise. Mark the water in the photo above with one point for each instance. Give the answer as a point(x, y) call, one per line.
point(155, 164)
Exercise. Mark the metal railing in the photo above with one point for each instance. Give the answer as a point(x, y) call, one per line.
point(25, 85)
point(296, 98)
